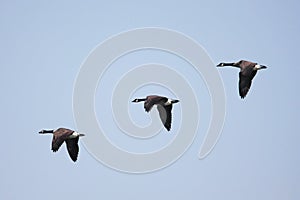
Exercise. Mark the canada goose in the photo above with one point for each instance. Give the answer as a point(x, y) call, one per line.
point(62, 135)
point(164, 107)
point(247, 72)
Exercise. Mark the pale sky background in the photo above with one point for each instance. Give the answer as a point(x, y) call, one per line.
point(43, 46)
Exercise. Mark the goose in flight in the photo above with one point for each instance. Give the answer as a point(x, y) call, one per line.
point(247, 72)
point(164, 107)
point(62, 135)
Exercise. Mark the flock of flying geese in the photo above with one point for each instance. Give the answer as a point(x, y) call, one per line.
point(164, 106)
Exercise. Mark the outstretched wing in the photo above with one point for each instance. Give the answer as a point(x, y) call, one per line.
point(59, 136)
point(73, 149)
point(152, 100)
point(148, 105)
point(165, 114)
point(245, 81)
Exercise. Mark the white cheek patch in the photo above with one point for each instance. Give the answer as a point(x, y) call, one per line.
point(74, 135)
point(169, 102)
point(257, 67)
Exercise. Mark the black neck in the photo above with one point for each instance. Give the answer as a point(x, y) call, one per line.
point(141, 99)
point(229, 64)
point(48, 131)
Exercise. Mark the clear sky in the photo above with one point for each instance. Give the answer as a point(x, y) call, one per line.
point(43, 46)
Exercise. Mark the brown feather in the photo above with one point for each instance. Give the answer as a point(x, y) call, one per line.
point(72, 147)
point(59, 136)
point(165, 115)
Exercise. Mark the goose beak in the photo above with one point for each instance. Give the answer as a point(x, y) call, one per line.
point(263, 67)
point(175, 101)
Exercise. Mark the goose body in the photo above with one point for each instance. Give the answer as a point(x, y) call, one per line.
point(247, 72)
point(62, 135)
point(164, 107)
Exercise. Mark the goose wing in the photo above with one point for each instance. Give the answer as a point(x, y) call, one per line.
point(148, 105)
point(245, 81)
point(152, 100)
point(59, 136)
point(165, 115)
point(73, 149)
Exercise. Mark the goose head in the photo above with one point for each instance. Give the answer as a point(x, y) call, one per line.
point(174, 101)
point(221, 64)
point(171, 101)
point(138, 100)
point(258, 67)
point(45, 131)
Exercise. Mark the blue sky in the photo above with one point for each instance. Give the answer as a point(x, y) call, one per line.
point(43, 46)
